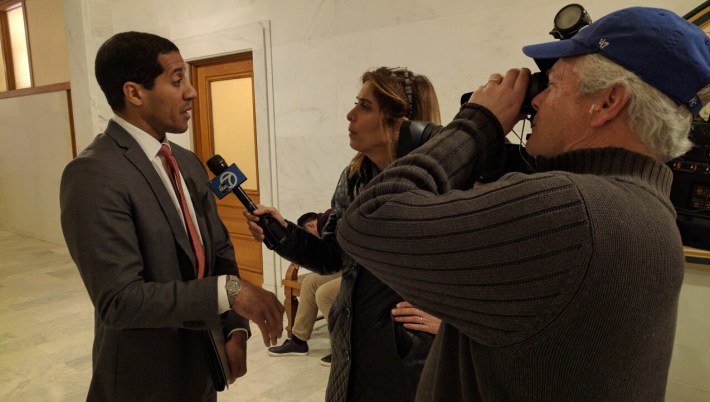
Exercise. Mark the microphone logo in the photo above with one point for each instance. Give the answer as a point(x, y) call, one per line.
point(227, 181)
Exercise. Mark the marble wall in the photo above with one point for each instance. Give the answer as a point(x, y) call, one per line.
point(33, 151)
point(689, 377)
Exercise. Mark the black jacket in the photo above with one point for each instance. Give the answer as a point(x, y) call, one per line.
point(374, 358)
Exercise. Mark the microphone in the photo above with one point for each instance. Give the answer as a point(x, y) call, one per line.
point(228, 180)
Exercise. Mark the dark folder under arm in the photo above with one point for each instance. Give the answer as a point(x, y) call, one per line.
point(217, 356)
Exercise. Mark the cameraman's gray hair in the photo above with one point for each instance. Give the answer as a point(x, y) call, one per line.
point(661, 124)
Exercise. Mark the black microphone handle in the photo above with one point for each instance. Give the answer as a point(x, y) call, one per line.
point(244, 199)
point(274, 233)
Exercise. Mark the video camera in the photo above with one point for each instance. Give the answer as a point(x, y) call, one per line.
point(690, 191)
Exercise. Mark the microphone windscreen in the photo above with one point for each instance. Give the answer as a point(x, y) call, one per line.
point(217, 164)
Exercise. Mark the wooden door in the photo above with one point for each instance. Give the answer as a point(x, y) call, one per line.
point(224, 123)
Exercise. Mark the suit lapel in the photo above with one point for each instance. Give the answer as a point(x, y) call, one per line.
point(134, 153)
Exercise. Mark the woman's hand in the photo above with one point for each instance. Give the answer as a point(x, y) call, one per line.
point(252, 218)
point(415, 319)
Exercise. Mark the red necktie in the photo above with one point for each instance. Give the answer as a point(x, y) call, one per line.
point(171, 167)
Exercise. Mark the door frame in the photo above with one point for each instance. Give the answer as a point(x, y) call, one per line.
point(204, 73)
point(257, 39)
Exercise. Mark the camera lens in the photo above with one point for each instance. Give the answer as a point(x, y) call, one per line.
point(569, 20)
point(568, 17)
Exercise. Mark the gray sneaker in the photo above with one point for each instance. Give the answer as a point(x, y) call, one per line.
point(289, 349)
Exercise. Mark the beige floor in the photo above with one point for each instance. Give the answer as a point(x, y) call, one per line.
point(46, 330)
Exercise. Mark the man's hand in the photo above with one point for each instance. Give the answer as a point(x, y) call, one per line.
point(503, 96)
point(236, 348)
point(263, 308)
point(252, 218)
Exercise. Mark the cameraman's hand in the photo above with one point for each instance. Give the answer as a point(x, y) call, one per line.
point(503, 96)
point(263, 308)
point(252, 218)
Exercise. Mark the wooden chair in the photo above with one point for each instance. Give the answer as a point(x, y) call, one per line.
point(292, 290)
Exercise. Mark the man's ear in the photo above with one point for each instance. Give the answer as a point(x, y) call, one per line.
point(609, 105)
point(133, 93)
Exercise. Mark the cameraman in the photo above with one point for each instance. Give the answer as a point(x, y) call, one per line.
point(560, 285)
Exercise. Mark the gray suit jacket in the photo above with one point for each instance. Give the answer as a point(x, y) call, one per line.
point(127, 239)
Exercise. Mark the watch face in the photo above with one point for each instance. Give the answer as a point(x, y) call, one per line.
point(233, 286)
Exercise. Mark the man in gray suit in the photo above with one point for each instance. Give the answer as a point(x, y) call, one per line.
point(154, 255)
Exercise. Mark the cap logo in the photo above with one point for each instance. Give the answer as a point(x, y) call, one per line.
point(603, 43)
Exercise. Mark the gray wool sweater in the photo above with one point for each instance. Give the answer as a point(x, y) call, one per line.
point(556, 286)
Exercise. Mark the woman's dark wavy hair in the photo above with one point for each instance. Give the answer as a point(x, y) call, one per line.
point(129, 56)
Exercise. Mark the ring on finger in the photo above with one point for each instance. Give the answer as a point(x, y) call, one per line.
point(496, 80)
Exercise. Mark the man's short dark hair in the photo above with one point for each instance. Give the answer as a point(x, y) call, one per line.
point(129, 56)
point(305, 218)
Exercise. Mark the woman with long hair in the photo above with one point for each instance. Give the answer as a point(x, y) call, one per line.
point(374, 357)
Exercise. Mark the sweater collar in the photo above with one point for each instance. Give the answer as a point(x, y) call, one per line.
point(610, 162)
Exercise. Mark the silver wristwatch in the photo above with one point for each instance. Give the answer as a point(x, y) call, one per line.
point(233, 287)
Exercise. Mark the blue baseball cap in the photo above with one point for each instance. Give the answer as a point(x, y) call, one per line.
point(666, 51)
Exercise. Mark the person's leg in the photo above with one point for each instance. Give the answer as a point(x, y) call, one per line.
point(306, 315)
point(325, 297)
point(307, 307)
point(326, 294)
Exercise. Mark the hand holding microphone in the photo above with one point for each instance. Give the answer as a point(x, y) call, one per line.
point(255, 217)
point(229, 179)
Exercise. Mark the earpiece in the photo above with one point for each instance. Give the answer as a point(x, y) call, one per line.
point(593, 108)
